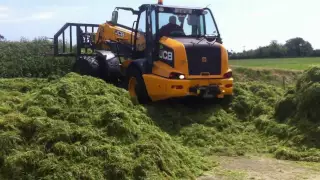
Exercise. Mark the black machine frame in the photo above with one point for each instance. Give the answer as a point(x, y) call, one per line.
point(83, 40)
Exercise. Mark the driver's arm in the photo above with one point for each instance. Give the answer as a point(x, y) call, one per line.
point(180, 28)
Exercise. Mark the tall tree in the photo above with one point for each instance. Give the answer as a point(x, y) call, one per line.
point(298, 47)
point(1, 37)
point(316, 53)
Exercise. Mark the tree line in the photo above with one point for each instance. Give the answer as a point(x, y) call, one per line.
point(295, 47)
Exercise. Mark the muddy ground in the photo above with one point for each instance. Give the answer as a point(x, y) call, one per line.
point(261, 168)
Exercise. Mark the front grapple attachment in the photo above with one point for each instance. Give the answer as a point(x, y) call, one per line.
point(84, 38)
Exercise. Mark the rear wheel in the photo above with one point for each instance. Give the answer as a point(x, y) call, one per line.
point(136, 86)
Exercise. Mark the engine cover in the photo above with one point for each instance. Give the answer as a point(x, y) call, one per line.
point(203, 57)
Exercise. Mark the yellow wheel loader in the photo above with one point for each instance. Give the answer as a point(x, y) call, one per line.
point(169, 52)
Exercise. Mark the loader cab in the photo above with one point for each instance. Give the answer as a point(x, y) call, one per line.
point(154, 18)
point(192, 25)
point(145, 35)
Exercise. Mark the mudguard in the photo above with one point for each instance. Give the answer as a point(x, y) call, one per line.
point(105, 54)
point(109, 65)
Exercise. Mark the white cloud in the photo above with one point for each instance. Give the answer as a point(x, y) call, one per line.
point(12, 20)
point(4, 12)
point(42, 15)
point(2, 16)
point(4, 8)
point(34, 17)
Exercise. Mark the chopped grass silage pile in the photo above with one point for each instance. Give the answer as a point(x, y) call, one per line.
point(250, 124)
point(278, 77)
point(213, 129)
point(81, 128)
point(300, 108)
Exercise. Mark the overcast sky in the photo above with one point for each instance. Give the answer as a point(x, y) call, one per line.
point(249, 23)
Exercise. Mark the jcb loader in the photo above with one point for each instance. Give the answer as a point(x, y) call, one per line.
point(169, 52)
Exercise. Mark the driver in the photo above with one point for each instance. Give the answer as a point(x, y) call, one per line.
point(170, 27)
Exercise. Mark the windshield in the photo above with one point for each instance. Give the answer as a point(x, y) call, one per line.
point(186, 24)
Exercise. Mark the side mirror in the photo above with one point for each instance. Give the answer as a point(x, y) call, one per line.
point(114, 18)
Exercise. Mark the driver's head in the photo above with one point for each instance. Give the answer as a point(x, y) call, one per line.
point(173, 20)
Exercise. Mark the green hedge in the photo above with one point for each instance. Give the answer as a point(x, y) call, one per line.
point(27, 58)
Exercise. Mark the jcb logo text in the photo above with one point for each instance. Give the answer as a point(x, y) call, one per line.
point(166, 55)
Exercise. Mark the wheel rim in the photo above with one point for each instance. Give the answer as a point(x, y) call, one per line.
point(132, 87)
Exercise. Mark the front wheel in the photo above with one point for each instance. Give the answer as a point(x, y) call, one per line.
point(136, 86)
point(226, 100)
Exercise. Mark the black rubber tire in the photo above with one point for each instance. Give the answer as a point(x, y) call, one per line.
point(141, 90)
point(226, 101)
point(86, 65)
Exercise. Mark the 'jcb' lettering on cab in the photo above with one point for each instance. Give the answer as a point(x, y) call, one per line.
point(166, 55)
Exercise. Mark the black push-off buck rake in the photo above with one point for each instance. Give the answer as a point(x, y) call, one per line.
point(84, 37)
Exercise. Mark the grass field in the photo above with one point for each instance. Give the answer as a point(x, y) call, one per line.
point(286, 63)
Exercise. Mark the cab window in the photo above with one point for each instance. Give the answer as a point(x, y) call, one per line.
point(141, 38)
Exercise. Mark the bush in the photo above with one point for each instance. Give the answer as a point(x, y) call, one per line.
point(28, 59)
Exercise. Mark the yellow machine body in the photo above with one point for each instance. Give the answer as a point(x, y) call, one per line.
point(111, 32)
point(158, 84)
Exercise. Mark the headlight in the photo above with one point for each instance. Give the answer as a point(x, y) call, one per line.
point(181, 76)
point(175, 75)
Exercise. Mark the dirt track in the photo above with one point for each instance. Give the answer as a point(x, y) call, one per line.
point(262, 168)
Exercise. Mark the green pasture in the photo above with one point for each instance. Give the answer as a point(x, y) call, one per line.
point(281, 63)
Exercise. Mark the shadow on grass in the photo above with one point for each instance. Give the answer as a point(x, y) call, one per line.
point(173, 114)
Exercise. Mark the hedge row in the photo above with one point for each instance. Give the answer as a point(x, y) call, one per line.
point(29, 58)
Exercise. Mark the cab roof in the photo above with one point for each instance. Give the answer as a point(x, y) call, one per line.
point(171, 6)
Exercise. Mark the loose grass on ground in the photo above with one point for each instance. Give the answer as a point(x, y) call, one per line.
point(281, 63)
point(81, 128)
point(78, 127)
